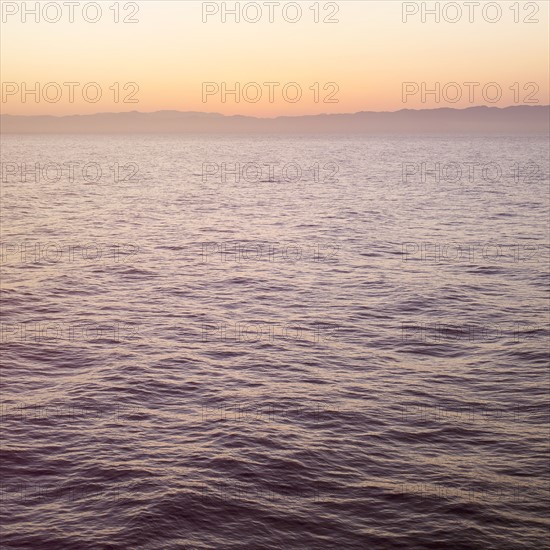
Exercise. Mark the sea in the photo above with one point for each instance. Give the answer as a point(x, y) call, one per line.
point(274, 342)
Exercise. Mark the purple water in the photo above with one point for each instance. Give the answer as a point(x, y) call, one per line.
point(335, 351)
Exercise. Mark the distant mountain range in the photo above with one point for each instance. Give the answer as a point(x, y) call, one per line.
point(522, 119)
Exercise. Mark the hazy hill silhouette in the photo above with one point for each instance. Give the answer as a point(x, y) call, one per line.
point(522, 119)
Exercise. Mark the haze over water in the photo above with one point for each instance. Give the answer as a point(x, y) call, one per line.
point(353, 357)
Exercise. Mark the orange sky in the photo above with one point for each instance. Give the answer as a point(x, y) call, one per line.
point(363, 59)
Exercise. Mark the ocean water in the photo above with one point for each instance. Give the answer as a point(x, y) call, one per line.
point(343, 346)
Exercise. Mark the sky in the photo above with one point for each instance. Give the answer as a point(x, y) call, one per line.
point(359, 63)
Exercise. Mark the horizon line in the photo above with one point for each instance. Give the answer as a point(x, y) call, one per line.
point(275, 117)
